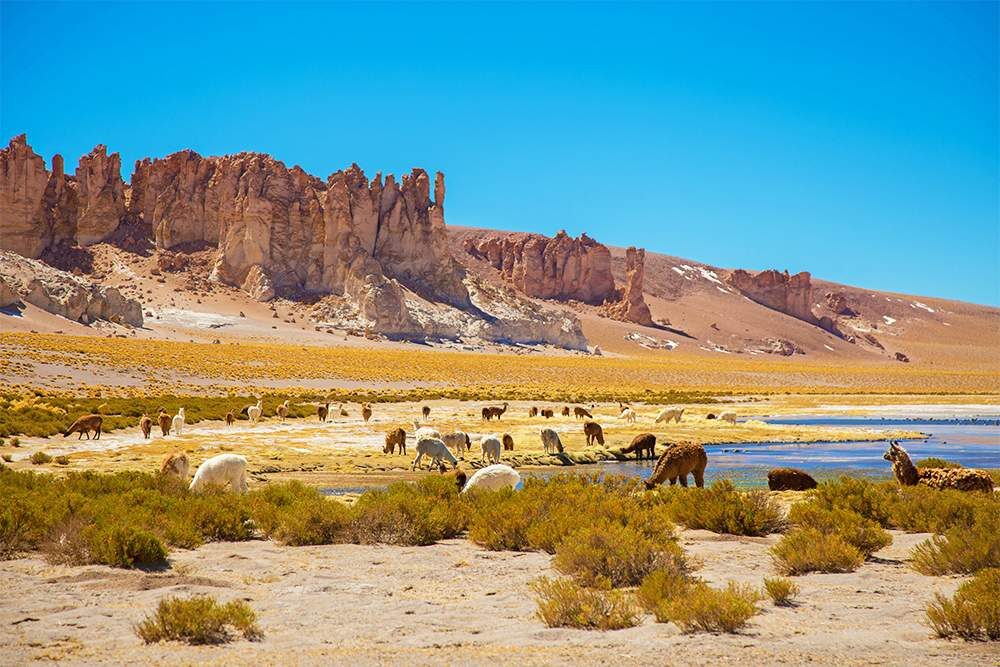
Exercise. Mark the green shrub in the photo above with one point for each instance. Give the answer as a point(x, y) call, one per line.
point(864, 534)
point(296, 514)
point(562, 603)
point(973, 613)
point(935, 462)
point(705, 609)
point(198, 620)
point(661, 586)
point(410, 514)
point(39, 458)
point(124, 546)
point(874, 501)
point(62, 460)
point(921, 509)
point(803, 550)
point(781, 591)
point(610, 554)
point(722, 509)
point(962, 549)
point(22, 525)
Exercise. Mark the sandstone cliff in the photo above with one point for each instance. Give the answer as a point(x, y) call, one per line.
point(632, 306)
point(789, 294)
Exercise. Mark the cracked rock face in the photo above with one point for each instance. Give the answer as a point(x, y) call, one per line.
point(632, 307)
point(789, 294)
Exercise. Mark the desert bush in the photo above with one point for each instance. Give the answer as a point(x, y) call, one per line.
point(935, 462)
point(7, 458)
point(803, 550)
point(921, 509)
point(62, 460)
point(974, 611)
point(874, 501)
point(610, 554)
point(124, 546)
point(722, 509)
point(962, 549)
point(705, 609)
point(412, 514)
point(781, 591)
point(296, 514)
point(15, 442)
point(864, 534)
point(22, 525)
point(40, 458)
point(199, 620)
point(562, 603)
point(661, 586)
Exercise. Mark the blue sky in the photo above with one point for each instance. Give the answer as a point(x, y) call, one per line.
point(857, 141)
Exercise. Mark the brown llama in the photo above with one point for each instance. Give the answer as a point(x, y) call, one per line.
point(460, 476)
point(426, 411)
point(565, 411)
point(644, 446)
point(86, 424)
point(789, 479)
point(176, 464)
point(322, 411)
point(490, 412)
point(593, 431)
point(548, 414)
point(366, 411)
point(532, 411)
point(343, 412)
point(165, 420)
point(675, 464)
point(508, 442)
point(962, 479)
point(582, 413)
point(282, 411)
point(146, 426)
point(396, 436)
point(230, 418)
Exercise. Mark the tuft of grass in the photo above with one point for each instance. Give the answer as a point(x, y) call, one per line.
point(974, 611)
point(704, 609)
point(721, 508)
point(62, 460)
point(935, 462)
point(803, 550)
point(607, 554)
point(781, 591)
point(962, 549)
point(199, 620)
point(562, 603)
point(863, 534)
point(40, 458)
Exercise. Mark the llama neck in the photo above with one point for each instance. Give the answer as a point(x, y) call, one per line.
point(906, 473)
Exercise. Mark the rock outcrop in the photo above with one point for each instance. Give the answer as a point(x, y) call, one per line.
point(8, 297)
point(560, 268)
point(64, 294)
point(632, 306)
point(838, 304)
point(789, 294)
point(100, 196)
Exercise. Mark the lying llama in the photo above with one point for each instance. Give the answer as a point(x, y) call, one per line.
point(176, 465)
point(221, 470)
point(593, 431)
point(86, 424)
point(628, 414)
point(254, 411)
point(164, 420)
point(322, 411)
point(435, 450)
point(675, 464)
point(644, 446)
point(789, 479)
point(551, 443)
point(146, 426)
point(667, 414)
point(508, 442)
point(178, 422)
point(582, 413)
point(282, 411)
point(962, 479)
point(490, 445)
point(395, 437)
point(728, 417)
point(458, 441)
point(493, 477)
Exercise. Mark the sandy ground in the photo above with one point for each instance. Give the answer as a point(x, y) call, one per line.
point(453, 602)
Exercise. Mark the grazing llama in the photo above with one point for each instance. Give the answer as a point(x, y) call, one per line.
point(532, 411)
point(282, 411)
point(434, 449)
point(230, 418)
point(582, 413)
point(366, 412)
point(421, 432)
point(508, 442)
point(644, 446)
point(593, 431)
point(322, 411)
point(548, 414)
point(395, 438)
point(164, 420)
point(551, 444)
point(728, 417)
point(178, 422)
point(426, 411)
point(493, 477)
point(962, 479)
point(789, 479)
point(628, 414)
point(176, 464)
point(668, 414)
point(146, 426)
point(254, 411)
point(565, 411)
point(221, 470)
point(675, 464)
point(490, 446)
point(458, 441)
point(86, 424)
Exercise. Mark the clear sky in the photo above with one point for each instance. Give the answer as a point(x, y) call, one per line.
point(856, 141)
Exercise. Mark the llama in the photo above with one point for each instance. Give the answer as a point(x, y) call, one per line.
point(146, 426)
point(789, 479)
point(582, 413)
point(426, 411)
point(458, 474)
point(421, 432)
point(490, 445)
point(508, 442)
point(677, 462)
point(230, 418)
point(164, 420)
point(86, 424)
point(366, 412)
point(493, 477)
point(176, 465)
point(282, 411)
point(343, 412)
point(628, 414)
point(254, 411)
point(490, 412)
point(322, 411)
point(395, 437)
point(532, 411)
point(728, 417)
point(457, 440)
point(178, 422)
point(593, 431)
point(667, 414)
point(551, 443)
point(222, 469)
point(962, 479)
point(644, 446)
point(565, 411)
point(435, 450)
point(548, 414)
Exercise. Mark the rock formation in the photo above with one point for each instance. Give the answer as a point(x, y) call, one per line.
point(560, 268)
point(789, 294)
point(8, 297)
point(64, 294)
point(838, 304)
point(100, 196)
point(632, 306)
